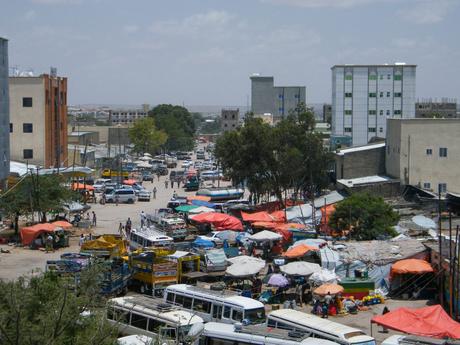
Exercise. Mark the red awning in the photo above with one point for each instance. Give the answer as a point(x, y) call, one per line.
point(299, 251)
point(220, 221)
point(280, 216)
point(411, 266)
point(30, 233)
point(430, 321)
point(62, 224)
point(129, 182)
point(80, 186)
point(261, 216)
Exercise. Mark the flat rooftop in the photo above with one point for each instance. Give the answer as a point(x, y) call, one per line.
point(353, 182)
point(399, 64)
point(360, 148)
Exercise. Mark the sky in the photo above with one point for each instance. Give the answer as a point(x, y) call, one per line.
point(202, 52)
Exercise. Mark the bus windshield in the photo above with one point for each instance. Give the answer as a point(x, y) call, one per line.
point(256, 315)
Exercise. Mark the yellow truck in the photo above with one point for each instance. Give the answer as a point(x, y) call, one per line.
point(108, 173)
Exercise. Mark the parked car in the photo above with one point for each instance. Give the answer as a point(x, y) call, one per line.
point(100, 184)
point(146, 176)
point(144, 195)
point(162, 170)
point(124, 195)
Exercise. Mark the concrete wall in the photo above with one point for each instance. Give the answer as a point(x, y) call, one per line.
point(21, 87)
point(102, 130)
point(4, 113)
point(360, 163)
point(407, 157)
point(84, 138)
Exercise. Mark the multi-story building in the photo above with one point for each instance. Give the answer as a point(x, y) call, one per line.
point(229, 119)
point(424, 153)
point(364, 96)
point(427, 108)
point(4, 114)
point(38, 120)
point(276, 100)
point(127, 116)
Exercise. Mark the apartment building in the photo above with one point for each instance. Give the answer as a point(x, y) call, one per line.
point(4, 114)
point(38, 120)
point(365, 96)
point(428, 108)
point(424, 153)
point(128, 116)
point(266, 98)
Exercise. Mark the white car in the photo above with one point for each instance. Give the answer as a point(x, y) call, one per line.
point(186, 164)
point(144, 195)
point(218, 237)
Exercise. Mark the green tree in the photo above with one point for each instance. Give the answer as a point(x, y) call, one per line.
point(146, 137)
point(47, 309)
point(177, 123)
point(365, 216)
point(213, 127)
point(35, 193)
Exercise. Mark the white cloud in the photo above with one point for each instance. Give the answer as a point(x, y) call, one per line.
point(321, 3)
point(428, 11)
point(130, 28)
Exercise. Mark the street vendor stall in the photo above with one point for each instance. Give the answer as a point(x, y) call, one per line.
point(300, 268)
point(244, 266)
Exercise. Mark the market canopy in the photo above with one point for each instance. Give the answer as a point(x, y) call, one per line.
point(203, 203)
point(129, 182)
point(261, 216)
point(265, 235)
point(80, 186)
point(198, 197)
point(185, 208)
point(220, 221)
point(202, 243)
point(264, 225)
point(411, 266)
point(300, 268)
point(280, 215)
point(30, 233)
point(430, 321)
point(200, 209)
point(331, 289)
point(299, 251)
point(244, 266)
point(62, 224)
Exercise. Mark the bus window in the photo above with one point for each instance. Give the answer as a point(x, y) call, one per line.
point(201, 306)
point(216, 311)
point(179, 300)
point(237, 315)
point(284, 326)
point(170, 297)
point(121, 316)
point(271, 323)
point(138, 321)
point(154, 326)
point(187, 302)
point(149, 244)
point(110, 314)
point(169, 333)
point(227, 311)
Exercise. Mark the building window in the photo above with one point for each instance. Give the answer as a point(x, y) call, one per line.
point(381, 76)
point(381, 112)
point(442, 187)
point(280, 110)
point(427, 185)
point(429, 152)
point(348, 112)
point(388, 76)
point(397, 112)
point(381, 94)
point(11, 127)
point(225, 125)
point(27, 128)
point(381, 129)
point(372, 94)
point(349, 77)
point(372, 130)
point(28, 154)
point(388, 94)
point(348, 94)
point(27, 102)
point(297, 96)
point(443, 152)
point(347, 129)
point(372, 112)
point(373, 77)
point(388, 112)
point(398, 77)
point(280, 96)
point(398, 94)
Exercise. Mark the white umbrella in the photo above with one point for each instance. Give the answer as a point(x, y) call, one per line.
point(265, 235)
point(243, 266)
point(201, 209)
point(324, 277)
point(300, 268)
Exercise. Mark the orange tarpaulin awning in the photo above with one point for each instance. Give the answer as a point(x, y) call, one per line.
point(289, 226)
point(199, 197)
point(332, 289)
point(265, 225)
point(279, 216)
point(129, 182)
point(298, 251)
point(220, 221)
point(261, 216)
point(414, 266)
point(30, 233)
point(79, 186)
point(430, 321)
point(62, 224)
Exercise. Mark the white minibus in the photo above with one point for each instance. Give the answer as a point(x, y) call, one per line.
point(141, 315)
point(148, 237)
point(317, 327)
point(225, 334)
point(223, 306)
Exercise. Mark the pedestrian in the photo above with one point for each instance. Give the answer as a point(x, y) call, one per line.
point(49, 243)
point(328, 298)
point(154, 192)
point(385, 311)
point(81, 240)
point(324, 310)
point(172, 184)
point(87, 217)
point(166, 184)
point(94, 219)
point(128, 225)
point(298, 293)
point(143, 219)
point(117, 199)
point(120, 229)
point(158, 176)
point(178, 183)
point(174, 195)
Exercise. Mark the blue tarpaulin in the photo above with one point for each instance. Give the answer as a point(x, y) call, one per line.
point(200, 242)
point(203, 203)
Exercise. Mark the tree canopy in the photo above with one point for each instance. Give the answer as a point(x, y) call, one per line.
point(146, 137)
point(367, 217)
point(274, 159)
point(47, 309)
point(177, 123)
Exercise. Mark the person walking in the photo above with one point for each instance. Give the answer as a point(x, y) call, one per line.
point(385, 311)
point(49, 243)
point(166, 184)
point(94, 219)
point(158, 176)
point(117, 200)
point(172, 183)
point(154, 192)
point(128, 226)
point(81, 240)
point(143, 219)
point(174, 195)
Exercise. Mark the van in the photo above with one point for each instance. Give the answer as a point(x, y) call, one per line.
point(123, 195)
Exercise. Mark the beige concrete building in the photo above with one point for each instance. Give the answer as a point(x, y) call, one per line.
point(424, 153)
point(229, 119)
point(38, 120)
